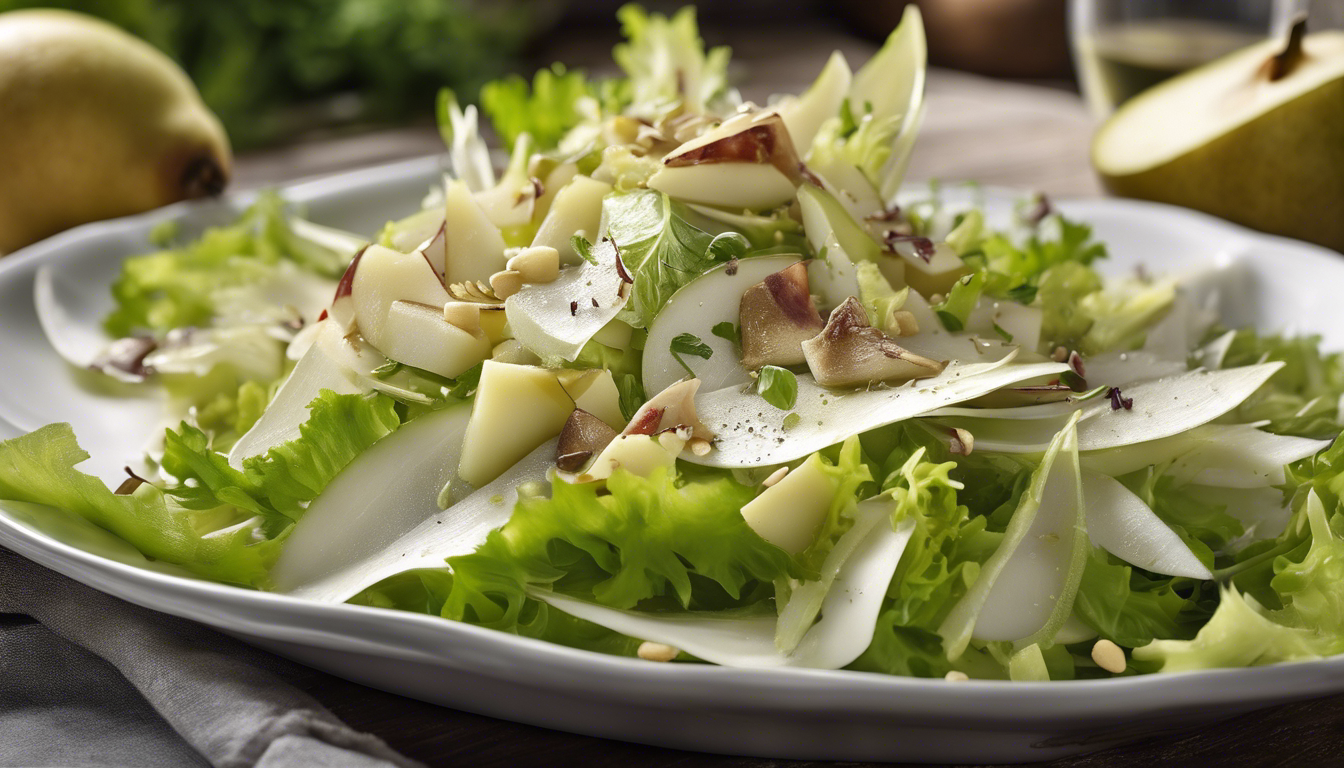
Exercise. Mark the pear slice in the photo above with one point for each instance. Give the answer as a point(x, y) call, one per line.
point(747, 162)
point(1230, 139)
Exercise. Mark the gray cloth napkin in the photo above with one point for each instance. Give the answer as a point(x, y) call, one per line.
point(88, 680)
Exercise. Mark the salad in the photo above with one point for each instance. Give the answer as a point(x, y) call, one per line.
point(693, 379)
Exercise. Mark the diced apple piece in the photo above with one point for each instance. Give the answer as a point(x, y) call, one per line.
point(383, 276)
point(729, 185)
point(577, 209)
point(850, 352)
point(475, 247)
point(776, 316)
point(930, 267)
point(789, 513)
point(517, 408)
point(419, 336)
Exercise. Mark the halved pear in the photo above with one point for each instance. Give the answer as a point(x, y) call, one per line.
point(1229, 139)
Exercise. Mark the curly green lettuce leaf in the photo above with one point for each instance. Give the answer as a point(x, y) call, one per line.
point(645, 540)
point(660, 249)
point(1242, 632)
point(1132, 608)
point(218, 543)
point(547, 109)
point(1122, 313)
point(278, 485)
point(1303, 397)
point(667, 64)
point(182, 287)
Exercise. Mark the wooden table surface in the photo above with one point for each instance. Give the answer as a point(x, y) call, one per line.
point(1001, 133)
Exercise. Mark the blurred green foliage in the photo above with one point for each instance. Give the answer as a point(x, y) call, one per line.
point(272, 68)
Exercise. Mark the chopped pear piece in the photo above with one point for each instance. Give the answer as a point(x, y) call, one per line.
point(517, 408)
point(746, 162)
point(776, 316)
point(577, 210)
point(930, 268)
point(384, 276)
point(850, 352)
point(418, 335)
point(417, 229)
point(638, 454)
point(583, 437)
point(789, 513)
point(474, 248)
point(595, 392)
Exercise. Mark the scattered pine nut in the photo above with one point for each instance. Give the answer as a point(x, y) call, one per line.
point(1109, 656)
point(464, 315)
point(956, 677)
point(536, 264)
point(657, 652)
point(700, 446)
point(506, 283)
point(775, 477)
point(1059, 355)
point(963, 442)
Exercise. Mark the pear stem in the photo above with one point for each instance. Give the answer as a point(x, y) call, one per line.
point(1283, 63)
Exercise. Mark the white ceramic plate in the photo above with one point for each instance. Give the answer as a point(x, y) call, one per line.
point(787, 713)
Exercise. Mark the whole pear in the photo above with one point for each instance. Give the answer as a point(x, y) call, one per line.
point(95, 123)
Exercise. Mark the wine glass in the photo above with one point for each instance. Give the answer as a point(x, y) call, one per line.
point(1123, 47)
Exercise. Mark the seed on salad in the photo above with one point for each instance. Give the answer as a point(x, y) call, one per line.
point(1059, 354)
point(657, 652)
point(963, 442)
point(506, 283)
point(464, 315)
point(1109, 656)
point(775, 477)
point(537, 264)
point(956, 677)
point(700, 446)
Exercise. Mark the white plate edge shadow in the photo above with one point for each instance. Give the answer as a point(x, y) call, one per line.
point(1049, 707)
